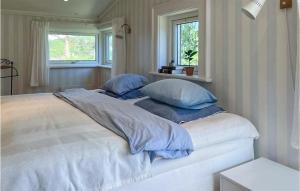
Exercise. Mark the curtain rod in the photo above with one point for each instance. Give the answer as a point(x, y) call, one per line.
point(48, 17)
point(56, 19)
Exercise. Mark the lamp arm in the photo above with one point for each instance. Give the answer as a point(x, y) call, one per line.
point(293, 72)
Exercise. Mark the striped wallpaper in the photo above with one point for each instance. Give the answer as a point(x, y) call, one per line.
point(15, 34)
point(138, 15)
point(250, 68)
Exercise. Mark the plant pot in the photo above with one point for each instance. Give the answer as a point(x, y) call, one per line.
point(189, 71)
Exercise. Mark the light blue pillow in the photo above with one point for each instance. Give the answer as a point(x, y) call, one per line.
point(176, 114)
point(124, 83)
point(179, 93)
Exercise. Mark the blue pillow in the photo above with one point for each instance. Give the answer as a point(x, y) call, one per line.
point(179, 93)
point(124, 83)
point(176, 114)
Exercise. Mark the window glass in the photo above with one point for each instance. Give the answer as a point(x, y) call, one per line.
point(68, 47)
point(186, 38)
point(108, 48)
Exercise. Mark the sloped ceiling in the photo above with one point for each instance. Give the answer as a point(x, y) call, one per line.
point(85, 9)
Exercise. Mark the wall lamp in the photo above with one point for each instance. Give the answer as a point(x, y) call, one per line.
point(253, 8)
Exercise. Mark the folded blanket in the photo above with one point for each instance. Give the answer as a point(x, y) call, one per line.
point(142, 130)
point(133, 94)
point(176, 114)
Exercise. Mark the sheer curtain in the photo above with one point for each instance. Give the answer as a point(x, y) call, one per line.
point(39, 75)
point(296, 123)
point(119, 47)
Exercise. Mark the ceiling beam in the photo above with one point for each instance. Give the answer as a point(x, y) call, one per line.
point(107, 9)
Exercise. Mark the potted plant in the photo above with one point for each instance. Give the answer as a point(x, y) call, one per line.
point(189, 56)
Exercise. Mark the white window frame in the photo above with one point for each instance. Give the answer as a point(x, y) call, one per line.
point(159, 45)
point(175, 37)
point(75, 63)
point(105, 47)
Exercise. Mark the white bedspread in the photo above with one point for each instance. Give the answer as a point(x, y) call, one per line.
point(219, 128)
point(49, 145)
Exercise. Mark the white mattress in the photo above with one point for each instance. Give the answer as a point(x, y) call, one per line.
point(162, 165)
point(198, 172)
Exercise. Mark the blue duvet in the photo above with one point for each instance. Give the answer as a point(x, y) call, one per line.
point(142, 130)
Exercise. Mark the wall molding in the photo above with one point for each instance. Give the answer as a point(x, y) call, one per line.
point(48, 16)
point(108, 8)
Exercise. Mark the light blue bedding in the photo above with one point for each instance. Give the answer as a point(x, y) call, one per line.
point(176, 114)
point(179, 93)
point(124, 83)
point(142, 130)
point(133, 94)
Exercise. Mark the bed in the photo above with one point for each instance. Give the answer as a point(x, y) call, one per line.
point(47, 144)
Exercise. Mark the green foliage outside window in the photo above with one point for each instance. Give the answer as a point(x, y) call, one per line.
point(72, 47)
point(188, 41)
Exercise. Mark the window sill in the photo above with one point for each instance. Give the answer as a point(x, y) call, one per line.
point(53, 66)
point(58, 66)
point(108, 66)
point(182, 76)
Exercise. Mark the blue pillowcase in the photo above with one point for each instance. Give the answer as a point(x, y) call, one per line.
point(124, 83)
point(176, 114)
point(180, 93)
point(133, 94)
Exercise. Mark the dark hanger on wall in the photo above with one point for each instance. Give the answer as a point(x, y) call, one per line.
point(5, 65)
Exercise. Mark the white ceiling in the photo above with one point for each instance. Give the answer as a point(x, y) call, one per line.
point(86, 9)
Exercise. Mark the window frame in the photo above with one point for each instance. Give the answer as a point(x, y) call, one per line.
point(175, 37)
point(160, 43)
point(72, 63)
point(105, 46)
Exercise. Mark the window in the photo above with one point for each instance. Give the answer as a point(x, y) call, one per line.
point(107, 47)
point(73, 48)
point(164, 45)
point(185, 37)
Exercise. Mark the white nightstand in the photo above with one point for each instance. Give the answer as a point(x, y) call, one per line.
point(260, 175)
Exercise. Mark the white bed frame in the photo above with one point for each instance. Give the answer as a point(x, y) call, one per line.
point(199, 176)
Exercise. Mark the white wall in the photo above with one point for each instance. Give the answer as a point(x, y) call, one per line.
point(15, 38)
point(253, 75)
point(138, 15)
point(250, 67)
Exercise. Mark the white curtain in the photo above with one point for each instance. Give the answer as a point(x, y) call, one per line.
point(296, 121)
point(39, 75)
point(119, 47)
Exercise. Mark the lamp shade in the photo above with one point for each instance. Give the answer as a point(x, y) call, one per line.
point(253, 8)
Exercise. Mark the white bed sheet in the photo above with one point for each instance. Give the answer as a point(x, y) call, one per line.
point(47, 144)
